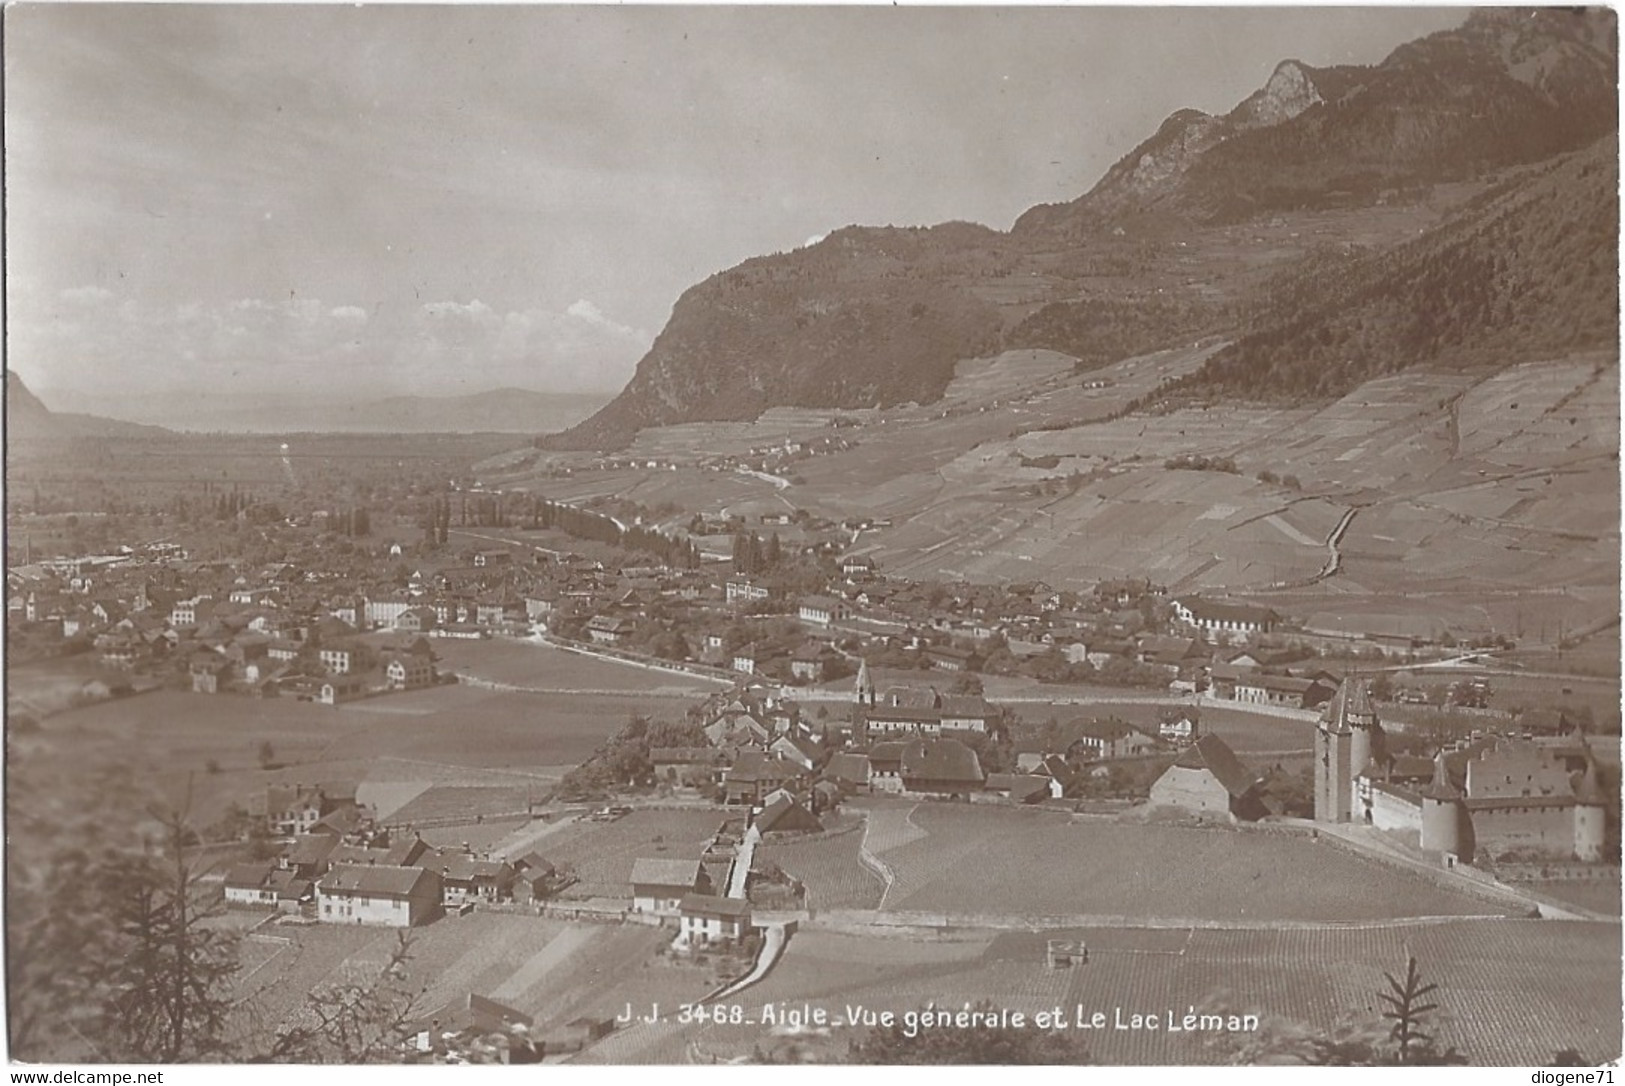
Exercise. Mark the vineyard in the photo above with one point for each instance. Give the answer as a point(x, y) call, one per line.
point(829, 868)
point(1511, 992)
point(986, 861)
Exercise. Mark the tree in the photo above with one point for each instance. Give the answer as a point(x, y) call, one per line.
point(169, 998)
point(364, 1018)
point(124, 966)
point(267, 755)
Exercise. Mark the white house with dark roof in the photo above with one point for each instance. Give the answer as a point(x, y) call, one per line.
point(397, 897)
point(659, 885)
point(705, 919)
point(1222, 622)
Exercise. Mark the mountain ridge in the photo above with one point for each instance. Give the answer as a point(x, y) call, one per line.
point(878, 316)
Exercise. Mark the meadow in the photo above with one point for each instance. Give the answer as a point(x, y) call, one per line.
point(537, 666)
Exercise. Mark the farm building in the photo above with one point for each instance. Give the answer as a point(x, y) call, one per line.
point(1282, 690)
point(1208, 780)
point(706, 920)
point(659, 885)
point(397, 897)
point(886, 767)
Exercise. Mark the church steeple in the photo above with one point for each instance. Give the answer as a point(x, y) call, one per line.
point(864, 690)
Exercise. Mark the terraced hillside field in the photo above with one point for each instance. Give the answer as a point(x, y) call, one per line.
point(981, 861)
point(829, 868)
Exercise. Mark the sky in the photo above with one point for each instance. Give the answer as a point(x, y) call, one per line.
point(209, 202)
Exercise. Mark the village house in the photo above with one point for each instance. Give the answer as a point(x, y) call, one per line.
point(754, 774)
point(609, 629)
point(659, 885)
point(1099, 740)
point(465, 878)
point(292, 809)
point(418, 620)
point(706, 920)
point(807, 662)
point(397, 897)
point(408, 671)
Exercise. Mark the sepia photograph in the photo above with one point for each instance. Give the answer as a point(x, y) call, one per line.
point(719, 536)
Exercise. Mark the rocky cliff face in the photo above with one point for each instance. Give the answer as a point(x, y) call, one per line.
point(871, 317)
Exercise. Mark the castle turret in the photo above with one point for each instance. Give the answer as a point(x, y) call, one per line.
point(1590, 809)
point(1444, 816)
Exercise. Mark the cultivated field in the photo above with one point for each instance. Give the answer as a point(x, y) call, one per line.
point(995, 861)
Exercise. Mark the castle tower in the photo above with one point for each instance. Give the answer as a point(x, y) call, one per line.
point(1444, 818)
point(1589, 811)
point(1348, 739)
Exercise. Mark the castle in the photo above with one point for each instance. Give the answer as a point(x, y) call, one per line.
point(1495, 795)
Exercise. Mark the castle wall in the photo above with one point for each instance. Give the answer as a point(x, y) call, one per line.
point(1547, 829)
point(1391, 812)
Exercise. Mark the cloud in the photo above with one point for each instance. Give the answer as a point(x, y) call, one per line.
point(348, 313)
point(583, 310)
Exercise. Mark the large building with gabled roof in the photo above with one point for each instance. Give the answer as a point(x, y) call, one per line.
point(1209, 781)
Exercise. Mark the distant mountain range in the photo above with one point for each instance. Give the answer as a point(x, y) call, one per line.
point(29, 420)
point(1277, 225)
point(505, 410)
point(502, 410)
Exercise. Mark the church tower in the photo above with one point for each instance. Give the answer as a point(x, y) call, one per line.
point(863, 693)
point(1348, 739)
